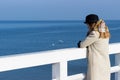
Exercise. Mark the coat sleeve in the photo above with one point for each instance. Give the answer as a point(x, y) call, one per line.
point(91, 38)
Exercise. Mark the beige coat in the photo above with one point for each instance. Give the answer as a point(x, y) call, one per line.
point(98, 57)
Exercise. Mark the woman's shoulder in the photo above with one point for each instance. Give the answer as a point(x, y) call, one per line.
point(94, 33)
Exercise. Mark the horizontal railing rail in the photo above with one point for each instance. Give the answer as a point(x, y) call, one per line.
point(58, 59)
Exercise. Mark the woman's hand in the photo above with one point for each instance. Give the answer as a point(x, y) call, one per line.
point(78, 44)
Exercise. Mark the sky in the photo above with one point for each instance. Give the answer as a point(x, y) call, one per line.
point(58, 9)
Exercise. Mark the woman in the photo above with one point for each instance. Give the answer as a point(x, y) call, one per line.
point(97, 44)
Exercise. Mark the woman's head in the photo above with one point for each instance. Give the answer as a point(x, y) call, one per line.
point(94, 24)
point(91, 20)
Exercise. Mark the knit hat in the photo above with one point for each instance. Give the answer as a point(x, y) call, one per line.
point(91, 18)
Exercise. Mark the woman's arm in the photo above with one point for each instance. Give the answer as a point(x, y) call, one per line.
point(91, 38)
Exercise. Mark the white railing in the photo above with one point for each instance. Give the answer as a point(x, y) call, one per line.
point(58, 59)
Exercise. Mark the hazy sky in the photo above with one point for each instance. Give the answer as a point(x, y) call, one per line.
point(58, 9)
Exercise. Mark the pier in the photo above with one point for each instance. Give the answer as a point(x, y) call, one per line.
point(59, 59)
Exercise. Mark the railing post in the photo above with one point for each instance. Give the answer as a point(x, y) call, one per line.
point(117, 62)
point(59, 71)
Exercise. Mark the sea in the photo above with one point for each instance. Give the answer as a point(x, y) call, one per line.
point(22, 37)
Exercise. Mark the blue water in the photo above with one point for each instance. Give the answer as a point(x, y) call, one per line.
point(18, 37)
